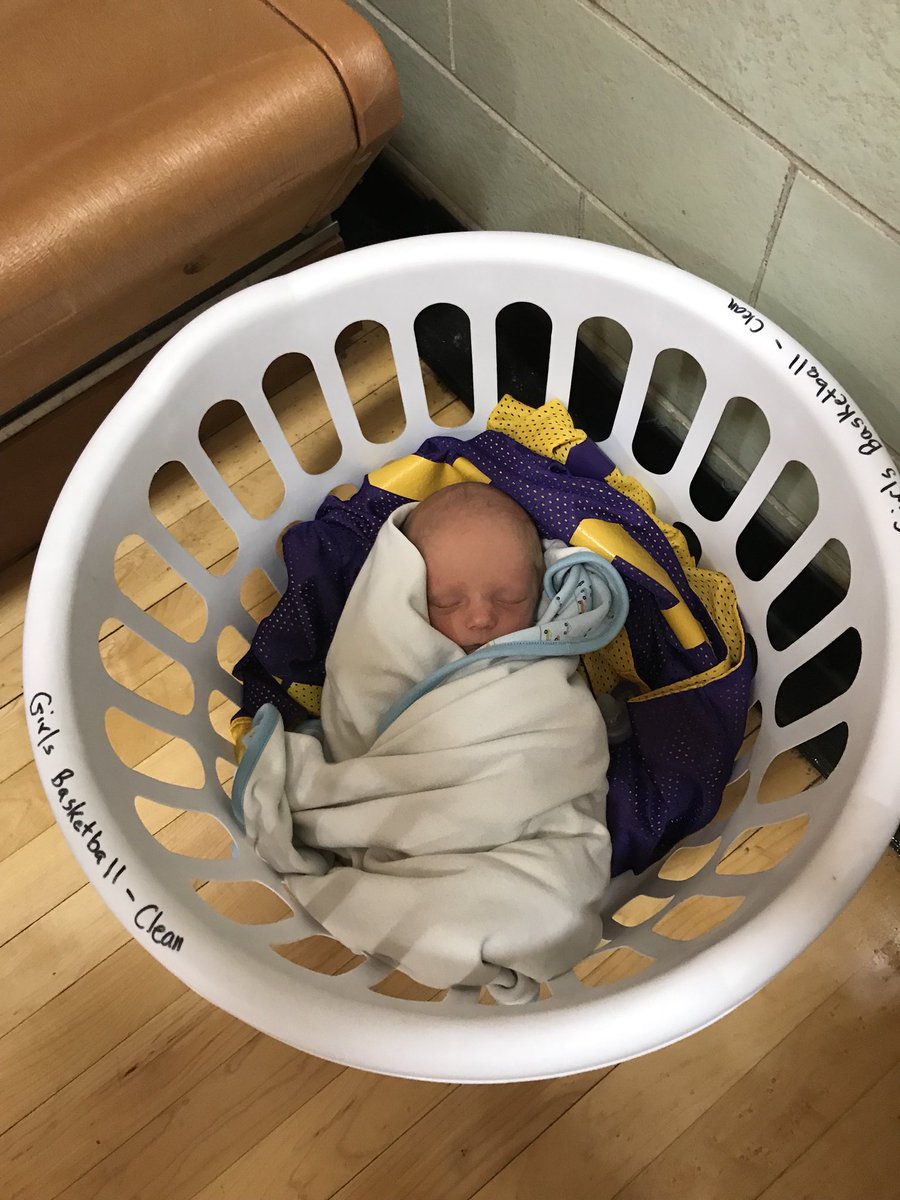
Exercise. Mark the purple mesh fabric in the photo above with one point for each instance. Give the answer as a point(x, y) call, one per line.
point(667, 779)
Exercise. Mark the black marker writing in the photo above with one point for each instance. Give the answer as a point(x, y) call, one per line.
point(149, 917)
point(827, 393)
point(74, 810)
point(752, 320)
point(892, 490)
point(41, 706)
point(825, 389)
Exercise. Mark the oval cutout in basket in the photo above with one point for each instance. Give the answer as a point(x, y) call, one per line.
point(153, 752)
point(302, 412)
point(186, 512)
point(145, 578)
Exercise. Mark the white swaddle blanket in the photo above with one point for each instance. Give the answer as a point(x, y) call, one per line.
point(465, 843)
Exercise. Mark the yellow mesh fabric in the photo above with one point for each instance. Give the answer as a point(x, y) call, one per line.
point(629, 486)
point(238, 729)
point(417, 478)
point(611, 541)
point(307, 694)
point(718, 598)
point(611, 665)
point(713, 589)
point(547, 430)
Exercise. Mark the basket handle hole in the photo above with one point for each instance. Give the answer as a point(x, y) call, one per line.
point(295, 396)
point(821, 679)
point(221, 710)
point(673, 396)
point(686, 861)
point(769, 534)
point(523, 352)
point(152, 752)
point(639, 909)
point(137, 665)
point(602, 354)
point(183, 508)
point(402, 987)
point(732, 456)
point(191, 834)
point(259, 594)
point(344, 491)
point(694, 545)
point(612, 966)
point(443, 336)
point(696, 916)
point(245, 901)
point(231, 646)
point(763, 847)
point(146, 579)
point(802, 767)
point(819, 588)
point(375, 391)
point(324, 955)
point(243, 462)
point(225, 770)
point(732, 796)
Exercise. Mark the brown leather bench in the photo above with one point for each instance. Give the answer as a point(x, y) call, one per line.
point(153, 154)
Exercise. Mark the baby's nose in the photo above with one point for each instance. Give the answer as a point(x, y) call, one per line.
point(481, 615)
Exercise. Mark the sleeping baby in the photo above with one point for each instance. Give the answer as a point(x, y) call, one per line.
point(447, 815)
point(484, 563)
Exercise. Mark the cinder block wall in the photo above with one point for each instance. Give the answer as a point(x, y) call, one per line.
point(756, 144)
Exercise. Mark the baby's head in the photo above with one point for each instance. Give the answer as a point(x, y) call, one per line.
point(483, 561)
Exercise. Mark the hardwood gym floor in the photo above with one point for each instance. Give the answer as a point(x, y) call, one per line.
point(117, 1082)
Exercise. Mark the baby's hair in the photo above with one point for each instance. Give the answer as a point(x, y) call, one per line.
point(472, 499)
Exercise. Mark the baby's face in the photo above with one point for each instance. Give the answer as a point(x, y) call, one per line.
point(482, 580)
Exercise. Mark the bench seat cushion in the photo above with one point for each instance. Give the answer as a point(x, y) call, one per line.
point(150, 149)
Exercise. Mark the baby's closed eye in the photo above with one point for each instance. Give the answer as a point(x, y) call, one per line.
point(445, 604)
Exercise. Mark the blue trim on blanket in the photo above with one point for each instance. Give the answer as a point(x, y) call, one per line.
point(267, 719)
point(512, 645)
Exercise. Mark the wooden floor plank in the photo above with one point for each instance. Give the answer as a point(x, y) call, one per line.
point(73, 936)
point(236, 1105)
point(619, 1127)
point(78, 1026)
point(327, 1141)
point(46, 858)
point(10, 665)
point(15, 748)
point(141, 1077)
point(792, 1096)
point(856, 1158)
point(24, 811)
point(83, 1022)
point(52, 953)
point(465, 1139)
point(117, 1095)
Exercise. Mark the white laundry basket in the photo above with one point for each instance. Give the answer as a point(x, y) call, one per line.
point(224, 353)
